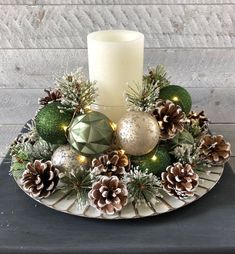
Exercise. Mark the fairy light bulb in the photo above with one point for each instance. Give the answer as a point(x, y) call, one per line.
point(154, 158)
point(81, 158)
point(175, 98)
point(88, 109)
point(64, 127)
point(114, 126)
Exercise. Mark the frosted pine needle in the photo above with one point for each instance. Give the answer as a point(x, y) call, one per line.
point(77, 92)
point(142, 186)
point(142, 97)
point(78, 181)
point(187, 153)
point(157, 75)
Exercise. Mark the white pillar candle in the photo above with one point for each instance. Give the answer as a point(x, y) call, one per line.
point(115, 60)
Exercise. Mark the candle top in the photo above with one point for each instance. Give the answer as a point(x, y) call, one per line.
point(115, 36)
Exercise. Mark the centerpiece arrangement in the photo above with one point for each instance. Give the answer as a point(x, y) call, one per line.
point(117, 139)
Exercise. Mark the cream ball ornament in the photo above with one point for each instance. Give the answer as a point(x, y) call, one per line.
point(66, 158)
point(138, 133)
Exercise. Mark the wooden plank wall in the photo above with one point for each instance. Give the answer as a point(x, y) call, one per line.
point(41, 39)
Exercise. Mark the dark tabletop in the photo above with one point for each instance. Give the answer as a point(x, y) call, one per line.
point(205, 226)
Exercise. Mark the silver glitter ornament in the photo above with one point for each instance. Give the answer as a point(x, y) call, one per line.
point(138, 133)
point(66, 158)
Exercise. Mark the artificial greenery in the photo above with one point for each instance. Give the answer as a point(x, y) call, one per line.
point(142, 186)
point(78, 181)
point(77, 93)
point(187, 153)
point(40, 150)
point(28, 147)
point(157, 76)
point(142, 97)
point(197, 124)
point(194, 129)
point(184, 137)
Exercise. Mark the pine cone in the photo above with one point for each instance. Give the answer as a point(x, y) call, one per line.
point(180, 180)
point(113, 163)
point(40, 179)
point(170, 118)
point(198, 120)
point(54, 95)
point(109, 194)
point(214, 150)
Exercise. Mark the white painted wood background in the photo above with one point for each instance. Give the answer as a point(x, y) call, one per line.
point(40, 39)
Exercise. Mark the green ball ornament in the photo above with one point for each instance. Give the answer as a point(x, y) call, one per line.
point(137, 160)
point(51, 123)
point(91, 133)
point(178, 95)
point(157, 162)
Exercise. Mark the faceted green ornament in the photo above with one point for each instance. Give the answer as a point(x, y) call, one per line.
point(51, 123)
point(178, 95)
point(91, 133)
point(156, 162)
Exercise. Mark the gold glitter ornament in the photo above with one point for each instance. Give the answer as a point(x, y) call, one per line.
point(138, 133)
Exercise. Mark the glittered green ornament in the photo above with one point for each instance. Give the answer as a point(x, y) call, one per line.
point(178, 95)
point(51, 123)
point(91, 133)
point(157, 162)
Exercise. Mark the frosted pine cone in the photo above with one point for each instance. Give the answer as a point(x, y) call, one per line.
point(113, 163)
point(40, 179)
point(214, 150)
point(180, 180)
point(109, 194)
point(52, 95)
point(170, 118)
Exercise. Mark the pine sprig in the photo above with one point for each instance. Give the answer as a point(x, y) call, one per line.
point(157, 76)
point(40, 150)
point(17, 148)
point(77, 92)
point(142, 97)
point(142, 186)
point(187, 153)
point(79, 182)
point(29, 146)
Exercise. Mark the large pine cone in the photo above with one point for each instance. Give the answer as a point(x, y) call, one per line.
point(109, 194)
point(52, 95)
point(214, 150)
point(180, 180)
point(113, 163)
point(40, 179)
point(170, 118)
